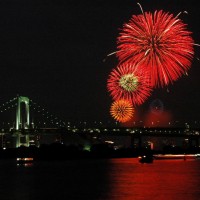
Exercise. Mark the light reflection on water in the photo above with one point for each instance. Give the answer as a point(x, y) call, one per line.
point(162, 180)
point(115, 179)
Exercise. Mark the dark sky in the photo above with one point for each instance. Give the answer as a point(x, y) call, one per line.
point(53, 50)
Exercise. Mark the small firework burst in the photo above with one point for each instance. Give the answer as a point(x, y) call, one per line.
point(122, 110)
point(127, 82)
point(160, 43)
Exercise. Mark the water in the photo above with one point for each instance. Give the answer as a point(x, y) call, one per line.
point(115, 179)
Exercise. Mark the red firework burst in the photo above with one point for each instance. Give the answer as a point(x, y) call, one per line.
point(122, 110)
point(158, 42)
point(127, 82)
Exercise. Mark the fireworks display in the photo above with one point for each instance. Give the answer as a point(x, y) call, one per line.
point(122, 110)
point(159, 43)
point(125, 82)
point(154, 50)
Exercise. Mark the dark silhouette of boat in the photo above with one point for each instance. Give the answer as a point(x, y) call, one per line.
point(146, 159)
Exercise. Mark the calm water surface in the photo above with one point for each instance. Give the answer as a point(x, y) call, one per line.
point(115, 179)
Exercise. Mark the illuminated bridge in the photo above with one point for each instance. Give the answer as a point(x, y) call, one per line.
point(20, 116)
point(34, 125)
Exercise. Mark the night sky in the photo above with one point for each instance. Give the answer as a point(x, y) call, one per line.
point(53, 51)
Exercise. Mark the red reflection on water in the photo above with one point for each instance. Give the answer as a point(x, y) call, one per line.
point(162, 180)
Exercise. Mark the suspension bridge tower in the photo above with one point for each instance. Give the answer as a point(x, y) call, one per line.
point(22, 121)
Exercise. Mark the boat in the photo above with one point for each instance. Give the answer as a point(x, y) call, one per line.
point(146, 159)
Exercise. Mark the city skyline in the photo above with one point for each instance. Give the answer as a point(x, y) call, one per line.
point(56, 54)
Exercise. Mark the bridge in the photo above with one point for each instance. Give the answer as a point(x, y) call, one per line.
point(26, 130)
point(28, 116)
